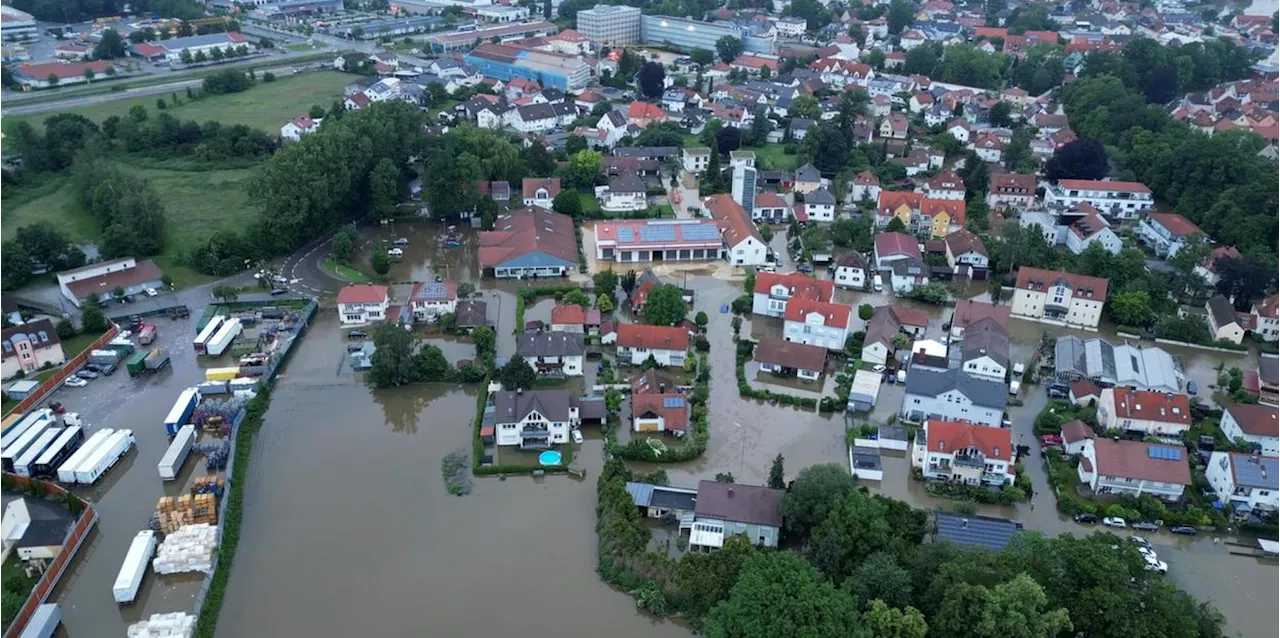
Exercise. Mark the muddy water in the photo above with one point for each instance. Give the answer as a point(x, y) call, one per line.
point(349, 530)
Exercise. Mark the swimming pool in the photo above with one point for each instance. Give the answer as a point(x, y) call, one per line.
point(550, 457)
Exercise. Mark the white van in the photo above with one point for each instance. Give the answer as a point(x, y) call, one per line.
point(877, 283)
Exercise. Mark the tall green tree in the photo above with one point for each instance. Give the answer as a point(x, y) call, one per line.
point(884, 621)
point(381, 263)
point(651, 78)
point(780, 594)
point(707, 579)
point(393, 360)
point(854, 528)
point(777, 475)
point(664, 305)
point(384, 186)
point(110, 47)
point(728, 48)
point(814, 492)
point(517, 374)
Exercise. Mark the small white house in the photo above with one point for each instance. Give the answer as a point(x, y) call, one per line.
point(359, 304)
point(534, 419)
point(298, 127)
point(668, 345)
point(430, 300)
point(1247, 483)
point(1254, 424)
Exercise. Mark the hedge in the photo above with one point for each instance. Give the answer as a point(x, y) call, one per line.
point(696, 442)
point(745, 390)
point(1064, 479)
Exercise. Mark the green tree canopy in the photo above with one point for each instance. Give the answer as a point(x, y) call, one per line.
point(664, 305)
point(517, 374)
point(393, 359)
point(816, 490)
point(780, 594)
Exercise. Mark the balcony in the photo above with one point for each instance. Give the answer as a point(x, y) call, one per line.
point(970, 461)
point(535, 439)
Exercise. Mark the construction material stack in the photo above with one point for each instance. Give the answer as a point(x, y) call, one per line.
point(190, 549)
point(174, 625)
point(175, 512)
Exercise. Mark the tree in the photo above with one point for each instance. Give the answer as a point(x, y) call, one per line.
point(432, 364)
point(777, 477)
point(729, 48)
point(1245, 278)
point(853, 528)
point(815, 490)
point(65, 329)
point(1000, 114)
point(865, 312)
point(701, 319)
point(517, 374)
point(381, 263)
point(583, 169)
point(567, 202)
point(766, 233)
point(651, 80)
point(896, 225)
point(110, 47)
point(605, 282)
point(88, 76)
point(1080, 159)
point(344, 241)
point(884, 621)
point(227, 293)
point(1131, 308)
point(805, 106)
point(393, 359)
point(705, 579)
point(664, 305)
point(628, 281)
point(704, 57)
point(779, 594)
point(901, 14)
point(880, 577)
point(52, 80)
point(604, 304)
point(576, 297)
point(92, 321)
point(384, 188)
point(1016, 607)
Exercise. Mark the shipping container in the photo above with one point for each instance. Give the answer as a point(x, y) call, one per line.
point(67, 471)
point(207, 388)
point(221, 374)
point(218, 343)
point(147, 334)
point(137, 364)
point(8, 421)
point(158, 358)
point(122, 345)
point(59, 451)
point(43, 622)
point(22, 466)
point(181, 411)
point(176, 455)
point(14, 450)
point(143, 547)
point(15, 432)
point(104, 357)
point(206, 333)
point(104, 457)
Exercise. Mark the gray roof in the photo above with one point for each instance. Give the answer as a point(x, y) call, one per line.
point(986, 338)
point(808, 173)
point(972, 530)
point(1150, 368)
point(821, 196)
point(981, 392)
point(471, 313)
point(1256, 471)
point(617, 119)
point(1269, 369)
point(661, 496)
point(512, 407)
point(736, 503)
point(852, 259)
point(882, 327)
point(626, 182)
point(550, 344)
point(865, 458)
point(1223, 313)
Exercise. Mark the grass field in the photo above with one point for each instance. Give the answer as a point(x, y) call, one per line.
point(771, 157)
point(267, 106)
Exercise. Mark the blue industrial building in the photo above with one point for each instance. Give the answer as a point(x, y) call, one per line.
point(503, 62)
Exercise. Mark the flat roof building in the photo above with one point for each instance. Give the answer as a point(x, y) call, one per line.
point(609, 24)
point(659, 240)
point(691, 35)
point(505, 63)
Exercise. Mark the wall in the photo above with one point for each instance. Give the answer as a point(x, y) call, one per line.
point(62, 373)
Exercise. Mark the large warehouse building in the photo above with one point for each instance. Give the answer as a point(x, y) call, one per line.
point(564, 72)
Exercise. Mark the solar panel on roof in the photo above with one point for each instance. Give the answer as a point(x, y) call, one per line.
point(1164, 453)
point(701, 232)
point(673, 402)
point(657, 233)
point(625, 235)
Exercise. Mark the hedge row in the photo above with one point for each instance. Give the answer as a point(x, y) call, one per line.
point(745, 390)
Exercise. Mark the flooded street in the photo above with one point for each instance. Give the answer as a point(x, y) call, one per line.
point(346, 502)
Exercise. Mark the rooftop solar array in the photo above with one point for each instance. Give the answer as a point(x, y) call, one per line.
point(673, 402)
point(1164, 453)
point(984, 531)
point(625, 235)
point(650, 233)
point(701, 232)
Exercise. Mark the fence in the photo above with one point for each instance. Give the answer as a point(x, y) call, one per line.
point(51, 576)
point(65, 371)
point(308, 314)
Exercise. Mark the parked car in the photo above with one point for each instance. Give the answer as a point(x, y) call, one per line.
point(357, 334)
point(577, 437)
point(1192, 387)
point(75, 382)
point(355, 347)
point(1057, 392)
point(1154, 564)
point(107, 369)
point(878, 368)
point(278, 291)
point(1140, 541)
point(130, 298)
point(57, 407)
point(1115, 521)
point(151, 292)
point(1085, 517)
point(1147, 552)
point(1147, 526)
point(1184, 529)
point(86, 374)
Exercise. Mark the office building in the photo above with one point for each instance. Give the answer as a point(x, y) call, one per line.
point(609, 24)
point(691, 35)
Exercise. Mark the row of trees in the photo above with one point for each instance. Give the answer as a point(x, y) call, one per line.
point(215, 54)
point(862, 570)
point(35, 248)
point(396, 363)
point(138, 132)
point(126, 207)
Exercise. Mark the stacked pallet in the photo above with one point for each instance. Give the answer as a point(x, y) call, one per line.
point(189, 549)
point(208, 484)
point(175, 512)
point(174, 625)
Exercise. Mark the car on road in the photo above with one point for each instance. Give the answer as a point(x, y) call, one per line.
point(278, 291)
point(402, 241)
point(280, 279)
point(1192, 388)
point(1147, 526)
point(86, 374)
point(1154, 564)
point(1140, 541)
point(577, 437)
point(357, 334)
point(1146, 551)
point(1183, 529)
point(75, 382)
point(151, 292)
point(1057, 392)
point(1115, 521)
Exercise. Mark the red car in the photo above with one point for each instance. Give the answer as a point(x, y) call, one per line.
point(1051, 440)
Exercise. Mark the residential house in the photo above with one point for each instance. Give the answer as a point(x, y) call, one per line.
point(960, 130)
point(886, 323)
point(660, 501)
point(816, 323)
point(953, 395)
point(962, 453)
point(851, 271)
point(785, 358)
point(727, 509)
point(1224, 323)
point(1075, 436)
point(894, 127)
point(642, 114)
point(945, 185)
point(575, 318)
point(800, 128)
point(969, 312)
point(625, 193)
point(30, 347)
point(1076, 228)
point(770, 208)
point(668, 345)
point(383, 90)
point(1145, 412)
point(865, 186)
point(1166, 233)
point(773, 292)
point(903, 205)
point(1249, 484)
point(36, 528)
point(1254, 424)
point(1264, 381)
point(745, 246)
point(430, 300)
point(988, 147)
point(819, 206)
point(1135, 468)
point(1209, 269)
point(1265, 319)
point(939, 217)
point(657, 405)
point(359, 304)
point(1119, 200)
point(552, 353)
point(471, 314)
point(540, 192)
point(808, 179)
point(298, 127)
point(984, 353)
point(105, 277)
point(1011, 190)
point(534, 419)
point(891, 247)
point(696, 160)
point(966, 252)
point(906, 274)
point(1059, 297)
point(530, 242)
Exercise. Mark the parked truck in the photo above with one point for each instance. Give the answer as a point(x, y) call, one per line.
point(158, 358)
point(43, 622)
point(12, 452)
point(15, 431)
point(23, 465)
point(103, 458)
point(231, 328)
point(143, 547)
point(67, 471)
point(59, 451)
point(137, 363)
point(147, 334)
point(176, 455)
point(181, 411)
point(104, 357)
point(122, 345)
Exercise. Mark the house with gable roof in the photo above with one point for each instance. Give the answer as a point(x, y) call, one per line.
point(430, 300)
point(964, 453)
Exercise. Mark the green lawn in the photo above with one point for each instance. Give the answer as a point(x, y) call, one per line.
point(17, 586)
point(73, 346)
point(590, 206)
point(770, 157)
point(266, 106)
point(343, 271)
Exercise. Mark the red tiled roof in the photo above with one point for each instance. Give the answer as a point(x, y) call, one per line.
point(675, 417)
point(1084, 388)
point(146, 49)
point(969, 312)
point(63, 70)
point(802, 215)
point(1013, 184)
point(145, 271)
point(952, 436)
point(775, 351)
point(1103, 185)
point(1176, 224)
point(932, 207)
point(962, 241)
point(895, 244)
point(362, 293)
point(733, 219)
point(891, 201)
point(798, 285)
point(1149, 405)
point(866, 178)
point(1131, 459)
point(770, 200)
point(530, 229)
point(644, 110)
point(634, 335)
point(574, 315)
point(910, 316)
point(833, 315)
point(1256, 420)
point(530, 186)
point(1076, 430)
point(1080, 284)
point(1268, 307)
point(946, 181)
